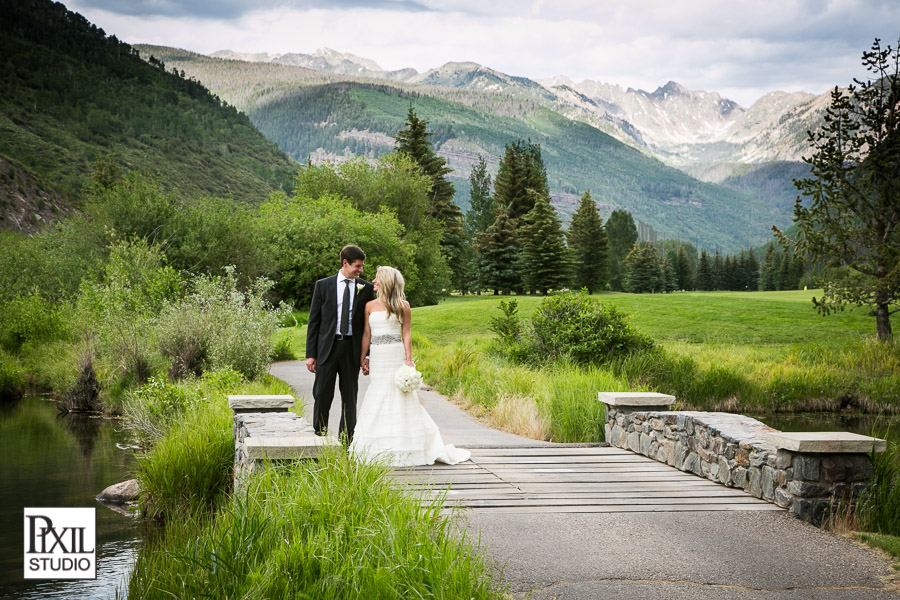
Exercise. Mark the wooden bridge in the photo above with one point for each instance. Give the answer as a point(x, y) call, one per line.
point(558, 479)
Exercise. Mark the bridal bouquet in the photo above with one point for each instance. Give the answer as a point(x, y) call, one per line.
point(407, 379)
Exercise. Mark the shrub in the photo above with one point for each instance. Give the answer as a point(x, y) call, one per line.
point(218, 326)
point(154, 406)
point(569, 326)
point(30, 319)
point(12, 376)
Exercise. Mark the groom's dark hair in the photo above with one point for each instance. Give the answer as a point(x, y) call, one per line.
point(352, 254)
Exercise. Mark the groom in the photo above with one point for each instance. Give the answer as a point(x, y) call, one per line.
point(333, 339)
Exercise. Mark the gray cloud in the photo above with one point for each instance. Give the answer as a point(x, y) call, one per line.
point(233, 9)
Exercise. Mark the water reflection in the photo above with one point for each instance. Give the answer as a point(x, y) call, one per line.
point(884, 427)
point(52, 460)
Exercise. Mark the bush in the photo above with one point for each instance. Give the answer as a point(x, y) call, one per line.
point(218, 326)
point(569, 326)
point(30, 319)
point(12, 377)
point(153, 407)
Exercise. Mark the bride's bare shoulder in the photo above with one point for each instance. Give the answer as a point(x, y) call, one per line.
point(374, 305)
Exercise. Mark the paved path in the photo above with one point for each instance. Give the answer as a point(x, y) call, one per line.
point(640, 553)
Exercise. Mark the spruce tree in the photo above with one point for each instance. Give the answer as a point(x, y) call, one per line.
point(751, 271)
point(621, 234)
point(718, 272)
point(769, 275)
point(643, 269)
point(588, 244)
point(521, 169)
point(544, 263)
point(683, 269)
point(704, 280)
point(499, 254)
point(478, 220)
point(413, 141)
point(784, 273)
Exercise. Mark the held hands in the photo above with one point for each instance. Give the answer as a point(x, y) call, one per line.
point(365, 366)
point(311, 365)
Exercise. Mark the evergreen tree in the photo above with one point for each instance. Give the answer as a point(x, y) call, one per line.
point(704, 280)
point(785, 279)
point(642, 269)
point(544, 262)
point(751, 271)
point(499, 254)
point(481, 204)
point(413, 141)
point(718, 272)
point(587, 241)
point(769, 275)
point(521, 169)
point(478, 220)
point(669, 276)
point(622, 235)
point(683, 269)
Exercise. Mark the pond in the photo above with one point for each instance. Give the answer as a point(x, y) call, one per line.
point(52, 460)
point(885, 427)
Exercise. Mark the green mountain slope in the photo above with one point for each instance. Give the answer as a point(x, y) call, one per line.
point(331, 116)
point(69, 94)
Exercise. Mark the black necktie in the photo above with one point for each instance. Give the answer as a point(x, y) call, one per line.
point(345, 309)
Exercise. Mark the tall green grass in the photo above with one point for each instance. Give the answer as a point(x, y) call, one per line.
point(188, 468)
point(878, 509)
point(334, 528)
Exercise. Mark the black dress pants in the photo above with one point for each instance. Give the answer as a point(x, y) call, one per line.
point(342, 365)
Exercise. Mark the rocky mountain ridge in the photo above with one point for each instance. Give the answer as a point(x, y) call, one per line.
point(708, 135)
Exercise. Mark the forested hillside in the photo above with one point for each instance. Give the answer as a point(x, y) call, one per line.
point(331, 116)
point(70, 94)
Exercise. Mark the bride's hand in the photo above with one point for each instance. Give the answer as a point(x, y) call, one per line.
point(410, 363)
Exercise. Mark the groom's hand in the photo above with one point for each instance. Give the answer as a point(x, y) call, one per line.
point(365, 366)
point(311, 365)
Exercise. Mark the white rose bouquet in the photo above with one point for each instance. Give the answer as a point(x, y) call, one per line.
point(407, 379)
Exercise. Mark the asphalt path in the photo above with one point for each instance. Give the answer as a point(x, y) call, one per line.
point(740, 555)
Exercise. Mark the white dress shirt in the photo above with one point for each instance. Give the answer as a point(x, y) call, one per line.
point(340, 302)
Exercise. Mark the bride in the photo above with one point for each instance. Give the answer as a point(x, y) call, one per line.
point(392, 425)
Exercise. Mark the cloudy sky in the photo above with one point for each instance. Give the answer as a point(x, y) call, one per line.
point(739, 48)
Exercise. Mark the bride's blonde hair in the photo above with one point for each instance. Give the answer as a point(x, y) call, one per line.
point(390, 291)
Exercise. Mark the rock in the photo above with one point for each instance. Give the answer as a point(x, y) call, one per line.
point(120, 493)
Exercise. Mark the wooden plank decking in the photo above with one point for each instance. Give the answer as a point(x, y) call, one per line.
point(567, 479)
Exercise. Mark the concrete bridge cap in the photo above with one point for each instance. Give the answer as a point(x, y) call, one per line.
point(826, 442)
point(636, 399)
point(251, 402)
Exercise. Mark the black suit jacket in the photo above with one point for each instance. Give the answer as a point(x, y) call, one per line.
point(323, 317)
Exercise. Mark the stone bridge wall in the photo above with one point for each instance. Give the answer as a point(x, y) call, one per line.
point(805, 473)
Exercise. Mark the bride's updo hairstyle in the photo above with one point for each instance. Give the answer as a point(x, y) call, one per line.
point(390, 291)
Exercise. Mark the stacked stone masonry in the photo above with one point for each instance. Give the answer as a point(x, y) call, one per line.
point(270, 433)
point(733, 450)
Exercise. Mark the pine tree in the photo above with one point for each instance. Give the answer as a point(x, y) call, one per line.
point(683, 269)
point(704, 280)
point(670, 276)
point(622, 235)
point(718, 272)
point(785, 281)
point(642, 269)
point(413, 141)
point(545, 259)
point(521, 169)
point(478, 219)
point(769, 275)
point(587, 241)
point(499, 254)
point(481, 204)
point(751, 271)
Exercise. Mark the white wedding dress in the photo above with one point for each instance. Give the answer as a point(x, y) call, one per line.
point(392, 426)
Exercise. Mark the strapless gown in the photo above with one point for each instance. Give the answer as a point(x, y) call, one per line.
point(392, 426)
